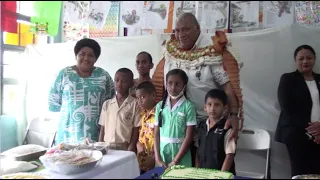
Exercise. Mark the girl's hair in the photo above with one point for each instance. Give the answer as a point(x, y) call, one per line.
point(304, 47)
point(184, 78)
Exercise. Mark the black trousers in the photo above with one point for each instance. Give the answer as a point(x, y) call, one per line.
point(193, 150)
point(304, 156)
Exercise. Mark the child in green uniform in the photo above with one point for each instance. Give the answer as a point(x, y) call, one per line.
point(174, 123)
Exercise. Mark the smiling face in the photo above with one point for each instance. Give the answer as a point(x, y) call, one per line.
point(215, 108)
point(186, 32)
point(305, 61)
point(86, 59)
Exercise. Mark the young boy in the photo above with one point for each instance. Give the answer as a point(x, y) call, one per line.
point(120, 116)
point(143, 64)
point(146, 94)
point(216, 150)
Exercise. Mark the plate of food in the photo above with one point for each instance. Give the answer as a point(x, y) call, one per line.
point(307, 176)
point(26, 176)
point(71, 162)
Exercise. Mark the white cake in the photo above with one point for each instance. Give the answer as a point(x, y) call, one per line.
point(182, 172)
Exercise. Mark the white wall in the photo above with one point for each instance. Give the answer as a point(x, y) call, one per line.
point(266, 55)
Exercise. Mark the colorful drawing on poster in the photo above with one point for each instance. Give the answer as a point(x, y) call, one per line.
point(40, 28)
point(280, 7)
point(98, 13)
point(155, 15)
point(244, 14)
point(131, 18)
point(213, 14)
point(75, 11)
point(75, 32)
point(161, 10)
point(308, 13)
point(131, 12)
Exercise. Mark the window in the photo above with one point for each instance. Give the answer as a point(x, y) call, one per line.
point(13, 88)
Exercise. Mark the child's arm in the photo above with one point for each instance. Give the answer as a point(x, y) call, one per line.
point(135, 130)
point(157, 139)
point(230, 149)
point(102, 121)
point(227, 164)
point(101, 137)
point(190, 122)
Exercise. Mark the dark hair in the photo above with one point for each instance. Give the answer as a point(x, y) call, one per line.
point(146, 86)
point(185, 79)
point(148, 55)
point(86, 42)
point(217, 94)
point(126, 71)
point(304, 47)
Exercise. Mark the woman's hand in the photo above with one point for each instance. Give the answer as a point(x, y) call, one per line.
point(314, 129)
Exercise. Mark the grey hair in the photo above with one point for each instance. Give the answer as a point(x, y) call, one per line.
point(189, 15)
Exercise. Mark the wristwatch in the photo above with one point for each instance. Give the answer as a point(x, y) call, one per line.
point(233, 114)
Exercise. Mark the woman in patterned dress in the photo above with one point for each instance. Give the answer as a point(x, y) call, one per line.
point(78, 93)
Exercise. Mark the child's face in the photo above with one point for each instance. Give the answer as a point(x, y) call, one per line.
point(122, 82)
point(215, 108)
point(145, 100)
point(175, 85)
point(143, 64)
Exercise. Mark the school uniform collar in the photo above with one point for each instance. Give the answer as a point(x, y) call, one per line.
point(129, 99)
point(178, 104)
point(208, 124)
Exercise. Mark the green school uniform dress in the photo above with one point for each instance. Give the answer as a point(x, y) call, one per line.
point(173, 130)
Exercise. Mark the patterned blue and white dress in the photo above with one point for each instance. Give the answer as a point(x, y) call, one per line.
point(79, 101)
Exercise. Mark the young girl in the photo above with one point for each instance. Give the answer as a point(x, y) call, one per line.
point(174, 123)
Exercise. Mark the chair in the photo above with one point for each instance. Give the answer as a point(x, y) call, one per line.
point(41, 131)
point(255, 140)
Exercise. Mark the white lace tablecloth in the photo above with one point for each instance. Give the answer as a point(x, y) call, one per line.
point(114, 165)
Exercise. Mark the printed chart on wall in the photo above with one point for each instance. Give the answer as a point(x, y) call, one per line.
point(308, 13)
point(75, 32)
point(98, 13)
point(277, 13)
point(155, 15)
point(131, 13)
point(213, 14)
point(244, 14)
point(75, 11)
point(183, 7)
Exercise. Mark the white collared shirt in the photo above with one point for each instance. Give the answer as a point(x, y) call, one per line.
point(229, 145)
point(212, 76)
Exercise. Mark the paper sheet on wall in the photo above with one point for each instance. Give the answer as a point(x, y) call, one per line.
point(244, 14)
point(182, 7)
point(133, 31)
point(75, 11)
point(277, 13)
point(155, 15)
point(75, 32)
point(131, 13)
point(308, 13)
point(213, 14)
point(98, 13)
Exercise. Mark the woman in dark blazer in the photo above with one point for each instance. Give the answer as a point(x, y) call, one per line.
point(299, 127)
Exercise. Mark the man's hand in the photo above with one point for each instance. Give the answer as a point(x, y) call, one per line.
point(172, 164)
point(233, 121)
point(317, 139)
point(314, 129)
point(132, 148)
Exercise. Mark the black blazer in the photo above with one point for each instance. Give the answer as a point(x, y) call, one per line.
point(295, 101)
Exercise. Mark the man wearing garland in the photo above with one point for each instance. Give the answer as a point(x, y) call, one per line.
point(208, 64)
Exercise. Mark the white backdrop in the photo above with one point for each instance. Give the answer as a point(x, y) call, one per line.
point(266, 55)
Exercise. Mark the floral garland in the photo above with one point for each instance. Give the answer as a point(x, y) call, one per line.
point(190, 55)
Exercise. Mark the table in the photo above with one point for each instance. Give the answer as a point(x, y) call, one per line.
point(160, 170)
point(114, 165)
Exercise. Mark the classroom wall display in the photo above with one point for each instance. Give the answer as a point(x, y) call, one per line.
point(308, 13)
